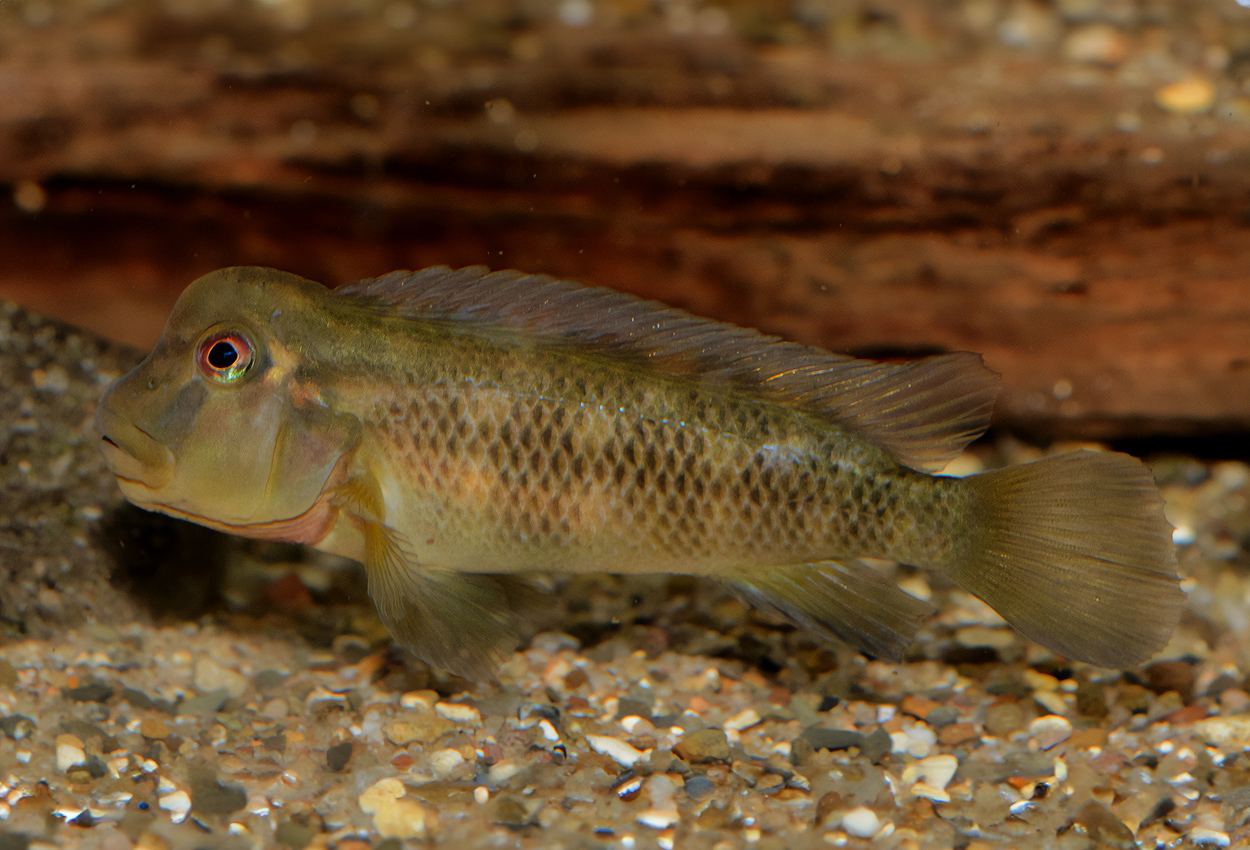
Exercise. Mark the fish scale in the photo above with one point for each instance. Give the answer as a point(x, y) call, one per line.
point(449, 428)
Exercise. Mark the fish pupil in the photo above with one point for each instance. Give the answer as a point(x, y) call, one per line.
point(222, 355)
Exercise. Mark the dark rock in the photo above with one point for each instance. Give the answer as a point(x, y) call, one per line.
point(822, 738)
point(90, 692)
point(339, 755)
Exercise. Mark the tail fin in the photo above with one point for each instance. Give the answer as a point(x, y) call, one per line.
point(1074, 552)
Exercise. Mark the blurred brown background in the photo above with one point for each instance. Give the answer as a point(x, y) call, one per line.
point(1063, 186)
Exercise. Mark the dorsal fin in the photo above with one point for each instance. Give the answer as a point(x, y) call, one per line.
point(923, 412)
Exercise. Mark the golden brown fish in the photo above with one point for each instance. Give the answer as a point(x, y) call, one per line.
point(444, 427)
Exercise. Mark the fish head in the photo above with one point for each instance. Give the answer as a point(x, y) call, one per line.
point(222, 423)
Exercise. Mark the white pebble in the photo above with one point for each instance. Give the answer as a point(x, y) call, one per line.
point(861, 822)
point(934, 771)
point(1050, 730)
point(69, 752)
point(742, 720)
point(464, 715)
point(549, 731)
point(445, 761)
point(178, 804)
point(501, 771)
point(1205, 835)
point(658, 818)
point(937, 795)
point(614, 748)
point(481, 794)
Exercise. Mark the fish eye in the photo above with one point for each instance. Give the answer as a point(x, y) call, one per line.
point(225, 356)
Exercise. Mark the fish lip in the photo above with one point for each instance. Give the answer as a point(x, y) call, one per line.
point(134, 456)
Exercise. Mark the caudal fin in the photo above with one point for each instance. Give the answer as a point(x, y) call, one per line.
point(1074, 551)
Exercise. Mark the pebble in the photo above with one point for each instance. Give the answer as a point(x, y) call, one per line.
point(395, 815)
point(1229, 733)
point(338, 755)
point(703, 746)
point(1050, 730)
point(916, 741)
point(403, 731)
point(614, 748)
point(1187, 97)
point(70, 752)
point(210, 677)
point(443, 762)
point(154, 729)
point(934, 771)
point(178, 804)
point(1001, 719)
point(822, 738)
point(742, 720)
point(861, 822)
point(974, 636)
point(459, 713)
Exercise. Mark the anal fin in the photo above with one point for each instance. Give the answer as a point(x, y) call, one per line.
point(847, 601)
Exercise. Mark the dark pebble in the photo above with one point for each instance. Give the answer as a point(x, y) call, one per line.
point(297, 836)
point(1103, 827)
point(338, 756)
point(1172, 676)
point(943, 715)
point(90, 692)
point(833, 739)
point(699, 787)
point(17, 726)
point(877, 745)
point(210, 796)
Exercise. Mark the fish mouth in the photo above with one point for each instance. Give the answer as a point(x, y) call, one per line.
point(133, 455)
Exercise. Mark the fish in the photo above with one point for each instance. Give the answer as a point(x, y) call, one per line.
point(457, 429)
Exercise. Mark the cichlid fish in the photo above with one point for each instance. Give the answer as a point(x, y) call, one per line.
point(447, 427)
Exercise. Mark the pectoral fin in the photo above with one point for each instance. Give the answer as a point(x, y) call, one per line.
point(847, 601)
point(465, 623)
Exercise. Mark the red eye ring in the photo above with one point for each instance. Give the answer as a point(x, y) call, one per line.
point(225, 357)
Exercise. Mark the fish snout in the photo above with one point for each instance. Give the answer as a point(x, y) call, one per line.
point(131, 454)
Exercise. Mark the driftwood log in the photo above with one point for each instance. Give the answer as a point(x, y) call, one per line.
point(891, 184)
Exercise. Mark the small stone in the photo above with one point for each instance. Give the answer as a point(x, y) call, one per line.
point(1206, 835)
point(339, 755)
point(957, 733)
point(403, 731)
point(877, 745)
point(395, 815)
point(742, 720)
point(276, 708)
point(444, 761)
point(154, 729)
point(934, 771)
point(1178, 676)
point(209, 677)
point(209, 703)
point(978, 636)
point(822, 738)
point(8, 676)
point(70, 752)
point(211, 796)
point(770, 782)
point(90, 692)
point(699, 787)
point(1188, 97)
point(178, 804)
point(615, 749)
point(459, 714)
point(17, 726)
point(703, 746)
point(293, 834)
point(1102, 827)
point(861, 822)
point(1001, 719)
point(1050, 730)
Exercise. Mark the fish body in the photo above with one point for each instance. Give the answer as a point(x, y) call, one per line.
point(446, 428)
